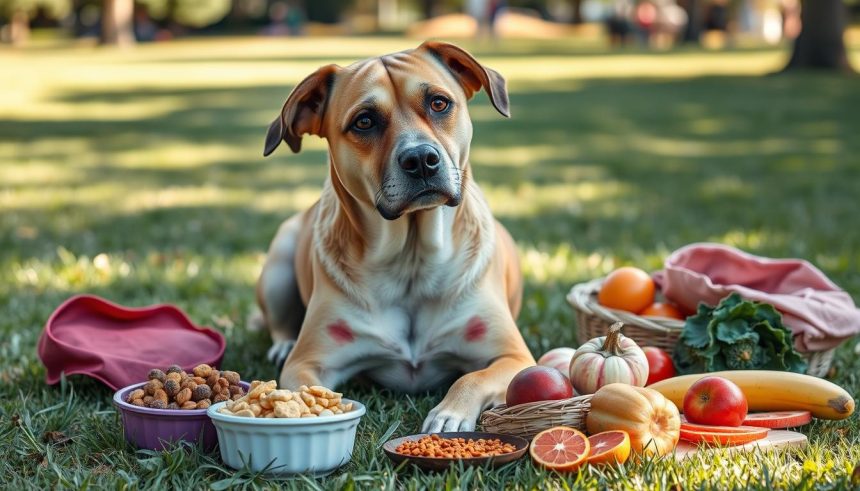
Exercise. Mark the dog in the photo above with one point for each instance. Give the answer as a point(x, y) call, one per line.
point(399, 272)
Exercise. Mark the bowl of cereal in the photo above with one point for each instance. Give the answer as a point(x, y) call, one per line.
point(171, 406)
point(279, 431)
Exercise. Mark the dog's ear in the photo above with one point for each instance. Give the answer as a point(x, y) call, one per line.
point(471, 74)
point(302, 112)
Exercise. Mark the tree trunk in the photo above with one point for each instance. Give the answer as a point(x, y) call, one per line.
point(117, 22)
point(428, 8)
point(19, 27)
point(821, 42)
point(576, 5)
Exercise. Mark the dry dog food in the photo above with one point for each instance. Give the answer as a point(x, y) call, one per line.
point(453, 448)
point(176, 389)
point(265, 400)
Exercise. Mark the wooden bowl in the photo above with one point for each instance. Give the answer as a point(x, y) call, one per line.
point(440, 464)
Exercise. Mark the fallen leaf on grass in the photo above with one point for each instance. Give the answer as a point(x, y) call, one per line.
point(56, 438)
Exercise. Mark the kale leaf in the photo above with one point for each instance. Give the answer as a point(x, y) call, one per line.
point(737, 334)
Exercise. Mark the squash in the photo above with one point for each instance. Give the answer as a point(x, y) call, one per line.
point(651, 420)
point(608, 359)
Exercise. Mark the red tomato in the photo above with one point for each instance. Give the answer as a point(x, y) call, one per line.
point(658, 309)
point(660, 366)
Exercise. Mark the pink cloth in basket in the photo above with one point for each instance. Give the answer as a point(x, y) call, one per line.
point(820, 314)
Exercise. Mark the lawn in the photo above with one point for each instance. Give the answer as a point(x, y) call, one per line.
point(139, 176)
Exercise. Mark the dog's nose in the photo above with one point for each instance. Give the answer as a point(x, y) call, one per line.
point(421, 161)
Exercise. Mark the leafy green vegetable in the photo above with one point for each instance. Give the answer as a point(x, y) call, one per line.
point(737, 334)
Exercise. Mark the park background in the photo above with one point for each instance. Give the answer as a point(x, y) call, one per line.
point(131, 167)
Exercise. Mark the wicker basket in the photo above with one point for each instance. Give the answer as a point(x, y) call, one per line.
point(527, 420)
point(594, 320)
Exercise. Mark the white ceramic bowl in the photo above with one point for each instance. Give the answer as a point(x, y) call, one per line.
point(287, 445)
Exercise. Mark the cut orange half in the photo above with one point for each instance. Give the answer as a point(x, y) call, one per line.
point(609, 447)
point(560, 449)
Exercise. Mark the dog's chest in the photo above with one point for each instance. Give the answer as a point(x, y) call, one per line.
point(417, 334)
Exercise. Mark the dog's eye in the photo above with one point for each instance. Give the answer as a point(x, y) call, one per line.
point(363, 123)
point(439, 104)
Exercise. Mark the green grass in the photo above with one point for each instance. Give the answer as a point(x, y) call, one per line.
point(138, 176)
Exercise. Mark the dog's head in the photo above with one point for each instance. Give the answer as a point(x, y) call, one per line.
point(397, 126)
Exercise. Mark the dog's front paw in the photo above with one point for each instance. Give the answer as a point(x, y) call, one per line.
point(444, 417)
point(279, 351)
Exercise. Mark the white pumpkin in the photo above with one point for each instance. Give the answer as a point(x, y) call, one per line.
point(608, 359)
point(558, 358)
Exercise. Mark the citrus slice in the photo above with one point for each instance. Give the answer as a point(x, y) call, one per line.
point(778, 419)
point(560, 449)
point(718, 429)
point(609, 447)
point(717, 438)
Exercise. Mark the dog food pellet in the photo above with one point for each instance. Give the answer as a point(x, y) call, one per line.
point(176, 389)
point(265, 400)
point(435, 446)
point(156, 374)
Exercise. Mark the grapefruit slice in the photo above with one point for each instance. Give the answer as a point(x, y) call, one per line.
point(560, 449)
point(609, 447)
point(727, 439)
point(718, 429)
point(778, 419)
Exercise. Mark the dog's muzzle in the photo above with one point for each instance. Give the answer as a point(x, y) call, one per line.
point(421, 178)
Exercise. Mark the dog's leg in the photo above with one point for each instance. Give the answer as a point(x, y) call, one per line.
point(278, 291)
point(474, 392)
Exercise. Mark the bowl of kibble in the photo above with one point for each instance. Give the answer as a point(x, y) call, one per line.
point(171, 406)
point(281, 431)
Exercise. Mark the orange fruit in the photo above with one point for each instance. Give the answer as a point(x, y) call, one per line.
point(609, 447)
point(627, 288)
point(658, 309)
point(560, 449)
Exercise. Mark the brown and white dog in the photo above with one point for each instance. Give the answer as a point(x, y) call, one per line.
point(399, 271)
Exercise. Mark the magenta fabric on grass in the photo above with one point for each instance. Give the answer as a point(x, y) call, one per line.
point(118, 345)
point(819, 313)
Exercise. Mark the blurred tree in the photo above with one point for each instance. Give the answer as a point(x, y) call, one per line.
point(117, 22)
point(326, 11)
point(188, 13)
point(576, 7)
point(428, 8)
point(20, 12)
point(821, 42)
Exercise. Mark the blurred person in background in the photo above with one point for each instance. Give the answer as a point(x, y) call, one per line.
point(645, 16)
point(618, 22)
point(285, 19)
point(670, 23)
point(485, 13)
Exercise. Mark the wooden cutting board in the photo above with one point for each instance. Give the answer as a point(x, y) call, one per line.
point(775, 439)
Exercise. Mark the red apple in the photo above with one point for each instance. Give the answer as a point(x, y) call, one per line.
point(538, 384)
point(715, 401)
point(660, 366)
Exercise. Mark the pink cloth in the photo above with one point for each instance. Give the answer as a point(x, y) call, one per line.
point(820, 314)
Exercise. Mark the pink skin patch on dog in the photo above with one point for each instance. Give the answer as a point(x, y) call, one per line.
point(476, 329)
point(341, 332)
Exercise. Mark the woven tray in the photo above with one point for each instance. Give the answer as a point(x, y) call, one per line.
point(593, 320)
point(527, 420)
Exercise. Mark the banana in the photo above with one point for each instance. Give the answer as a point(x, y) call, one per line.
point(767, 390)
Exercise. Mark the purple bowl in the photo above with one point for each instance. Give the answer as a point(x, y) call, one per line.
point(156, 429)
